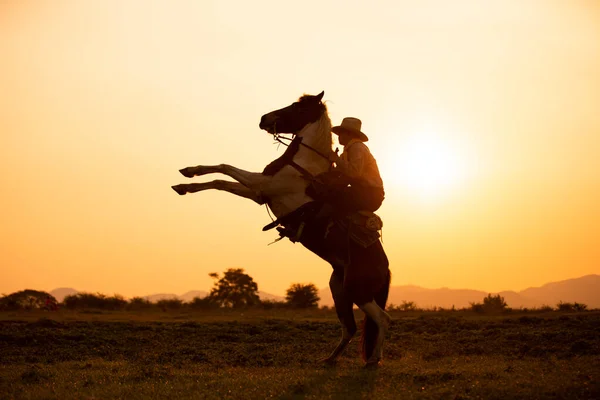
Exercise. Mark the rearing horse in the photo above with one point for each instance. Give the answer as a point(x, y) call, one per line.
point(360, 274)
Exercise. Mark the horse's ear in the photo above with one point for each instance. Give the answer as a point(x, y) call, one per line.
point(320, 95)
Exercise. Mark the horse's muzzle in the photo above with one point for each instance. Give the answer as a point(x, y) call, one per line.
point(267, 122)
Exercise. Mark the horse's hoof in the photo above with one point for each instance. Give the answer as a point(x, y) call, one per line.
point(180, 189)
point(374, 364)
point(186, 172)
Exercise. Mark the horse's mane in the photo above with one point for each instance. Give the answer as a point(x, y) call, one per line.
point(323, 140)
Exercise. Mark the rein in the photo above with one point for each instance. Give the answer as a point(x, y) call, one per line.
point(279, 136)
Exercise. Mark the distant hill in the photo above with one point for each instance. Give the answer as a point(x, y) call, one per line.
point(153, 298)
point(584, 290)
point(269, 296)
point(189, 296)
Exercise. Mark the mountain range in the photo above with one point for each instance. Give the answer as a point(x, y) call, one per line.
point(585, 290)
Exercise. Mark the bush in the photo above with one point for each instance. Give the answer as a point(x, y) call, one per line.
point(139, 303)
point(491, 304)
point(571, 307)
point(169, 304)
point(203, 303)
point(405, 306)
point(302, 296)
point(273, 304)
point(477, 307)
point(97, 301)
point(408, 306)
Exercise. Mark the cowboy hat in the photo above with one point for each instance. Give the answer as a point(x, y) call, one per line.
point(350, 126)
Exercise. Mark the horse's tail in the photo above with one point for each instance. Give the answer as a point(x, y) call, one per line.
point(369, 327)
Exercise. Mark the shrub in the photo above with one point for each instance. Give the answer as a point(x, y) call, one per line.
point(271, 304)
point(203, 303)
point(571, 307)
point(405, 306)
point(139, 303)
point(408, 306)
point(97, 301)
point(169, 304)
point(302, 296)
point(477, 307)
point(491, 304)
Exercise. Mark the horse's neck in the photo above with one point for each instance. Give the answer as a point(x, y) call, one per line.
point(318, 136)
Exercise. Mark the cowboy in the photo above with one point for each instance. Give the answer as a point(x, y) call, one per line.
point(357, 164)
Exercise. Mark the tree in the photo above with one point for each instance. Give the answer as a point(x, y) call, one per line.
point(302, 296)
point(491, 304)
point(494, 303)
point(235, 289)
point(27, 299)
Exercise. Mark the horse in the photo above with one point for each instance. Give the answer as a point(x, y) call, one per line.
point(361, 273)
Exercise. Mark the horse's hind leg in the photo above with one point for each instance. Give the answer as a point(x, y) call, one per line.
point(232, 187)
point(382, 320)
point(343, 308)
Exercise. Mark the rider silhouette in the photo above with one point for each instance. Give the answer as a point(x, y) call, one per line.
point(362, 186)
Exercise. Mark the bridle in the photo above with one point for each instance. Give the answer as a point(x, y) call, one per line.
point(280, 138)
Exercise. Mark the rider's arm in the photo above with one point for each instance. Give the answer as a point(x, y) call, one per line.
point(353, 167)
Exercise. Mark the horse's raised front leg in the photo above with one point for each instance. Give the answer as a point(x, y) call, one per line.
point(232, 187)
point(190, 172)
point(251, 180)
point(343, 308)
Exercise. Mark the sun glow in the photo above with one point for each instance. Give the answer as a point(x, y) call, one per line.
point(428, 164)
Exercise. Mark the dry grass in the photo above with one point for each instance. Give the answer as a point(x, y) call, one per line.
point(260, 354)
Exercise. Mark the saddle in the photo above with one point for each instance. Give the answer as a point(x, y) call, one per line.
point(317, 218)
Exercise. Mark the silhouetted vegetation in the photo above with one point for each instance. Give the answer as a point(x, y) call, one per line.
point(96, 301)
point(203, 303)
point(302, 296)
point(169, 304)
point(405, 306)
point(491, 304)
point(570, 307)
point(27, 300)
point(238, 290)
point(273, 304)
point(235, 289)
point(139, 303)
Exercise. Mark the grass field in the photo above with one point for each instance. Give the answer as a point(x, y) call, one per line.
point(261, 354)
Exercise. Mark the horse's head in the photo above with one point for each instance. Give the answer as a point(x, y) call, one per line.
point(293, 118)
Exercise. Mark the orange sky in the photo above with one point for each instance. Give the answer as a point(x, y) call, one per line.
point(103, 101)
